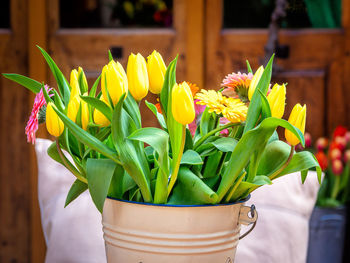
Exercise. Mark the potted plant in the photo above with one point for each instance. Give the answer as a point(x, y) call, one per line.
point(328, 220)
point(173, 193)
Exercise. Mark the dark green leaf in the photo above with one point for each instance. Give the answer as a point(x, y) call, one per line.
point(99, 176)
point(77, 188)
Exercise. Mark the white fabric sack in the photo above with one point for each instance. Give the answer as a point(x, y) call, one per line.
point(282, 230)
point(74, 234)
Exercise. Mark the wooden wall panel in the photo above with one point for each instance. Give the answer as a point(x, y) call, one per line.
point(15, 167)
point(311, 51)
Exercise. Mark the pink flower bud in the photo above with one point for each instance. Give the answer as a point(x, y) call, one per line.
point(335, 154)
point(337, 167)
point(347, 156)
point(321, 144)
point(347, 136)
point(308, 142)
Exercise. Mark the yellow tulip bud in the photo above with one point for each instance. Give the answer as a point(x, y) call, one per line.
point(54, 124)
point(277, 100)
point(99, 118)
point(255, 81)
point(73, 107)
point(137, 76)
point(156, 70)
point(81, 72)
point(182, 105)
point(297, 118)
point(74, 83)
point(113, 75)
point(84, 113)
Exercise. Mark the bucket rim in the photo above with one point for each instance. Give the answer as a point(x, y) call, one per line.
point(170, 205)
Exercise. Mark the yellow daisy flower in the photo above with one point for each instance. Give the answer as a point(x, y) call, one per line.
point(232, 109)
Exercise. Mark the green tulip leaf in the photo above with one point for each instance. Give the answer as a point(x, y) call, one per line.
point(99, 105)
point(128, 155)
point(191, 190)
point(93, 90)
point(191, 157)
point(278, 151)
point(302, 161)
point(245, 188)
point(254, 140)
point(255, 105)
point(159, 140)
point(249, 67)
point(62, 83)
point(265, 106)
point(31, 84)
point(99, 176)
point(210, 168)
point(77, 188)
point(117, 183)
point(86, 138)
point(225, 144)
point(208, 122)
point(159, 116)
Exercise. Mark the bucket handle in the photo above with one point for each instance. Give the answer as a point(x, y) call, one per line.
point(245, 219)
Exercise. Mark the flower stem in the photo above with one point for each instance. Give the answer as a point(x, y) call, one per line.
point(276, 173)
point(176, 167)
point(69, 165)
point(212, 132)
point(335, 189)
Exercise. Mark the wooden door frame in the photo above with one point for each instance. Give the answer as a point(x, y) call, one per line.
point(333, 55)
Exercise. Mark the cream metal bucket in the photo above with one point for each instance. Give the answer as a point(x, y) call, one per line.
point(149, 233)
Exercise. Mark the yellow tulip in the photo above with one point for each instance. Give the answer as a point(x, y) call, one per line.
point(277, 100)
point(113, 75)
point(74, 83)
point(156, 70)
point(81, 72)
point(73, 108)
point(297, 118)
point(182, 105)
point(54, 124)
point(137, 76)
point(255, 81)
point(99, 118)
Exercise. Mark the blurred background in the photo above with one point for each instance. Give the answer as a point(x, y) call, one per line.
point(311, 39)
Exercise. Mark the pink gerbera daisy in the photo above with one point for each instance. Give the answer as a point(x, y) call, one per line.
point(237, 85)
point(33, 123)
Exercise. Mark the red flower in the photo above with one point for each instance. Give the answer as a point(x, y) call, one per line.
point(336, 145)
point(339, 131)
point(322, 160)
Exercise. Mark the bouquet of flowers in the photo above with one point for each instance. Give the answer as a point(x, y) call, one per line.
point(334, 158)
point(212, 146)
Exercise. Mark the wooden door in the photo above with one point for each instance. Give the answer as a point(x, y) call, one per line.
point(15, 180)
point(315, 69)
